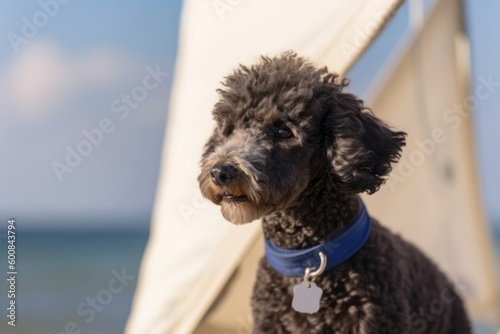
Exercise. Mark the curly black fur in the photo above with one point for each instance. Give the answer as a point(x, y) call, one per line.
point(301, 149)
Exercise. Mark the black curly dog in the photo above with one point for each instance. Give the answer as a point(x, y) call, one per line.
point(293, 149)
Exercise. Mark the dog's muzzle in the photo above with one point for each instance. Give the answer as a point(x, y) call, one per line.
point(224, 177)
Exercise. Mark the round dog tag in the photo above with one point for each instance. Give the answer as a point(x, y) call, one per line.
point(306, 297)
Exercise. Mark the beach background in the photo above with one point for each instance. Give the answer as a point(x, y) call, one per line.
point(76, 230)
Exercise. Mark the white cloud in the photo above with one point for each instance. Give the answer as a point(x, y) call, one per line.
point(37, 78)
point(43, 76)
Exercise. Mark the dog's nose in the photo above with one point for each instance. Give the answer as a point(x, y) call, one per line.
point(223, 175)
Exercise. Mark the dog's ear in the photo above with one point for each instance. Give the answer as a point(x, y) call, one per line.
point(359, 147)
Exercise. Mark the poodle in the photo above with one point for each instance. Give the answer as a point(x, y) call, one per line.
point(293, 149)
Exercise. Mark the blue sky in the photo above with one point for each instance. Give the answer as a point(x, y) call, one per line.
point(62, 83)
point(483, 28)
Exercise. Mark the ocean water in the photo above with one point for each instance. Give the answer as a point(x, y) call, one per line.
point(60, 272)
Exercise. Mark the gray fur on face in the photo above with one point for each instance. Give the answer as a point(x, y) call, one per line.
point(250, 151)
point(246, 152)
point(243, 152)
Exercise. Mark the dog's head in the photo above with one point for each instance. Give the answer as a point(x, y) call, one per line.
point(282, 124)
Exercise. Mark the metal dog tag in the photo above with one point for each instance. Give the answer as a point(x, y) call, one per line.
point(306, 297)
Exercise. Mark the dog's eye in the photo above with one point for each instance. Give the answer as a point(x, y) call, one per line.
point(283, 133)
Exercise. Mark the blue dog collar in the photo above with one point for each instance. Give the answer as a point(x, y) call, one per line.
point(337, 250)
